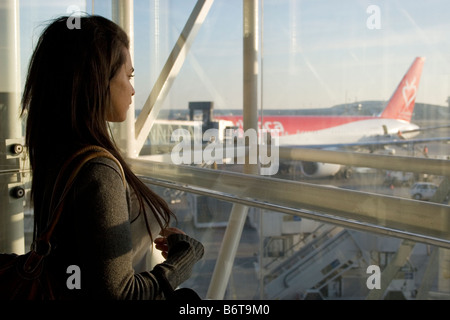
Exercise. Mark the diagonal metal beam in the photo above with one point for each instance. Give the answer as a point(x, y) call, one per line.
point(152, 106)
point(430, 275)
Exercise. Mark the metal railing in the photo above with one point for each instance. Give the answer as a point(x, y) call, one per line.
point(383, 214)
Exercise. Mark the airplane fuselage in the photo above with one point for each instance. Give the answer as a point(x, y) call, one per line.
point(326, 130)
point(361, 131)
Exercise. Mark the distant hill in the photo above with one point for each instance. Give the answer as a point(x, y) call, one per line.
point(428, 111)
point(422, 111)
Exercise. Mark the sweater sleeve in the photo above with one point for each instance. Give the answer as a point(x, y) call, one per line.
point(184, 252)
point(105, 241)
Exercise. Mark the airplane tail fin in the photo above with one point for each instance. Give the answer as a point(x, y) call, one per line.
point(401, 104)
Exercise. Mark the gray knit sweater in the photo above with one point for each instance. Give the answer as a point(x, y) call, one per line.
point(94, 233)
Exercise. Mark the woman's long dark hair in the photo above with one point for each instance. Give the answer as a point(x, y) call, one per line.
point(65, 101)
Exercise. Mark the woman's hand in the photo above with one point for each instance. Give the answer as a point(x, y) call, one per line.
point(161, 242)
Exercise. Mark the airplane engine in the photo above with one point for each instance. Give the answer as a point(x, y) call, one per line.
point(319, 169)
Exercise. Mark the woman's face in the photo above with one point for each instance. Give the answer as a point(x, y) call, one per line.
point(121, 91)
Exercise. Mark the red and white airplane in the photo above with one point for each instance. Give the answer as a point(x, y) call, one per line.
point(332, 132)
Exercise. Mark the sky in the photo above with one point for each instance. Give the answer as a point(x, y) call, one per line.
point(313, 53)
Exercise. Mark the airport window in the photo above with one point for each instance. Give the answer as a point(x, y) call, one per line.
point(314, 133)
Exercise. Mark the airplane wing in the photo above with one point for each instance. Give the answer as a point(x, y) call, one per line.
point(372, 145)
point(425, 129)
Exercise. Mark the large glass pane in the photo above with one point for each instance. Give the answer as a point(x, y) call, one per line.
point(325, 72)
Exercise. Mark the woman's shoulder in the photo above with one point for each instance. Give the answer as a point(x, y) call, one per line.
point(102, 169)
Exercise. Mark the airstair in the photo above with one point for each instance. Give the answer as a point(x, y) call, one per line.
point(326, 255)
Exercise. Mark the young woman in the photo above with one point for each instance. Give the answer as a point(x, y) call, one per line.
point(78, 81)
